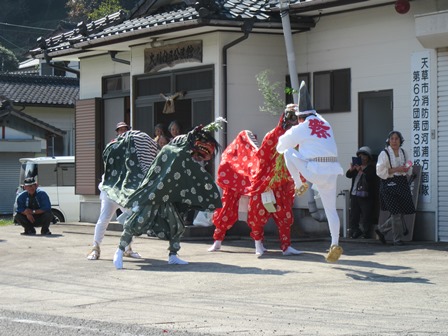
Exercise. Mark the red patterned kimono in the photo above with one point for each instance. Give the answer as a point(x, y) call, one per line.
point(246, 169)
point(282, 186)
point(234, 177)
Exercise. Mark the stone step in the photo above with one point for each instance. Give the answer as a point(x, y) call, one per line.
point(191, 231)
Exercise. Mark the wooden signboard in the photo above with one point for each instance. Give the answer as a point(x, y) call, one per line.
point(414, 182)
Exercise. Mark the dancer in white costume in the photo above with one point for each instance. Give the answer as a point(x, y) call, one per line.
point(316, 159)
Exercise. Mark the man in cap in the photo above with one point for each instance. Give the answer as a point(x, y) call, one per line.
point(33, 209)
point(122, 127)
point(316, 159)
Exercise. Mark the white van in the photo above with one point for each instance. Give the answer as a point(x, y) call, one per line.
point(56, 176)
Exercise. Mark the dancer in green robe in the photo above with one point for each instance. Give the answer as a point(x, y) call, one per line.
point(175, 183)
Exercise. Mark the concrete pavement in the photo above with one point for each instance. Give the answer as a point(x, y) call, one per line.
point(373, 289)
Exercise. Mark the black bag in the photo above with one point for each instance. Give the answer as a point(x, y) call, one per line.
point(362, 188)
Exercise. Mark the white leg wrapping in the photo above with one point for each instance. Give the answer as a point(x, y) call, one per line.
point(216, 246)
point(259, 248)
point(118, 259)
point(291, 251)
point(175, 260)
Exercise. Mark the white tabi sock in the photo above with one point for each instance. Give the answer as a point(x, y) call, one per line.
point(291, 251)
point(175, 260)
point(216, 246)
point(118, 259)
point(259, 248)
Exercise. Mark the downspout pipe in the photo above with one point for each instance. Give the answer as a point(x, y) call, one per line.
point(317, 214)
point(112, 56)
point(60, 67)
point(246, 28)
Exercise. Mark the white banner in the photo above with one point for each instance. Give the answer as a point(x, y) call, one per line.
point(421, 131)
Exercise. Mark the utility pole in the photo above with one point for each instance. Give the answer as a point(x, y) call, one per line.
point(290, 54)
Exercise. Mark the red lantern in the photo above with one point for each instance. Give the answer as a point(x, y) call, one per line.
point(402, 6)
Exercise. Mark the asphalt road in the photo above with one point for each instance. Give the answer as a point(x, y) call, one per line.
point(48, 287)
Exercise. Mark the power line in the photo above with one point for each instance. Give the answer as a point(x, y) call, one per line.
point(18, 31)
point(15, 45)
point(20, 26)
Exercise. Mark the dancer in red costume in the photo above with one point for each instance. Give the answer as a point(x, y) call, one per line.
point(234, 177)
point(280, 182)
point(248, 170)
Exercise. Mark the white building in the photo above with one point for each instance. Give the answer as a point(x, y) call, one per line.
point(369, 68)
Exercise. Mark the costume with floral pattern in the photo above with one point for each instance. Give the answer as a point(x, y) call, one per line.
point(234, 177)
point(248, 170)
point(282, 186)
point(174, 183)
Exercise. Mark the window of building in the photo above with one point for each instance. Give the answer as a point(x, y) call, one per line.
point(116, 84)
point(192, 107)
point(331, 91)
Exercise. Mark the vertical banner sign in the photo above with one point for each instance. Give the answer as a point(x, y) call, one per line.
point(421, 132)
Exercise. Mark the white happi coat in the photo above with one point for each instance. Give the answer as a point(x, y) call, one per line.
point(316, 140)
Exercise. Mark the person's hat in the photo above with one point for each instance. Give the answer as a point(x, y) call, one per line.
point(29, 181)
point(122, 124)
point(305, 106)
point(364, 150)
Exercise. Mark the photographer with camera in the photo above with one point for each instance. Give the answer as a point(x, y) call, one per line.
point(363, 175)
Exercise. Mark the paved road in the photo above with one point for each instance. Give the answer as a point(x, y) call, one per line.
point(48, 287)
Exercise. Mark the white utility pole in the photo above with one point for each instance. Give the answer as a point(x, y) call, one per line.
point(284, 13)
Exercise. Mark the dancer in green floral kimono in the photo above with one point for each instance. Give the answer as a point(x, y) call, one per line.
point(175, 183)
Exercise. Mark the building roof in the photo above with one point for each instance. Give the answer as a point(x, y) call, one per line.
point(39, 90)
point(15, 119)
point(154, 18)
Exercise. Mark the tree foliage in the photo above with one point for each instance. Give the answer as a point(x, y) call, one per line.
point(106, 7)
point(78, 10)
point(83, 10)
point(23, 21)
point(8, 61)
point(13, 11)
point(273, 102)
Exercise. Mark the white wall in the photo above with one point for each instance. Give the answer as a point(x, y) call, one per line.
point(245, 60)
point(376, 44)
point(93, 69)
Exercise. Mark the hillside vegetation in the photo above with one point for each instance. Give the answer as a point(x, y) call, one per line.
point(23, 21)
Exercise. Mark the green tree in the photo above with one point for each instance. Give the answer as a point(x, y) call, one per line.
point(105, 8)
point(78, 10)
point(8, 61)
point(273, 102)
point(83, 10)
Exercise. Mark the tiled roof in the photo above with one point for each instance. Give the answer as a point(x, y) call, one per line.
point(18, 120)
point(42, 90)
point(163, 15)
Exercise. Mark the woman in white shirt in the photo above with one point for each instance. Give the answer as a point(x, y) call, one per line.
point(393, 169)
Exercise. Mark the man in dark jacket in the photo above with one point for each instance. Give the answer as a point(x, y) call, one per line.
point(33, 209)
